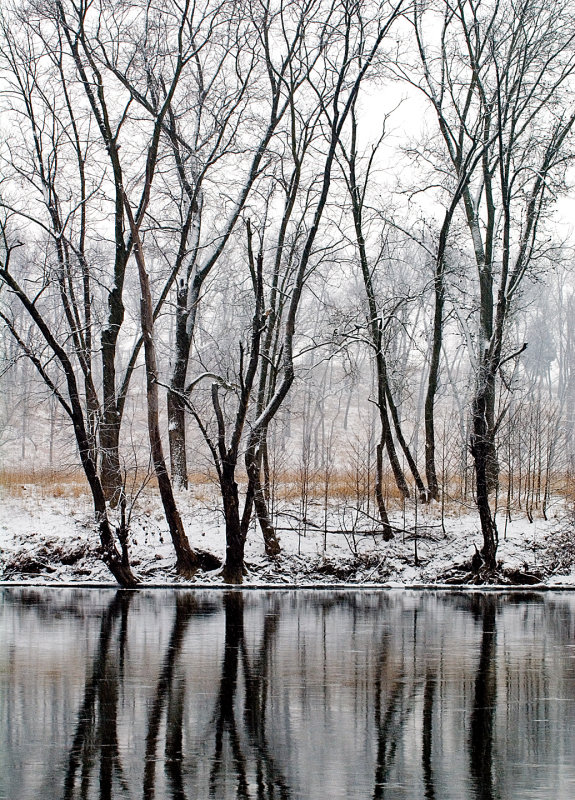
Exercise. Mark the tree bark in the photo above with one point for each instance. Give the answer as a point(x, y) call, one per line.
point(387, 529)
point(480, 450)
point(433, 379)
point(175, 402)
point(255, 496)
point(110, 469)
point(235, 540)
point(236, 528)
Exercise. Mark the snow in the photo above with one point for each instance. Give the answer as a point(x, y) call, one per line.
point(45, 539)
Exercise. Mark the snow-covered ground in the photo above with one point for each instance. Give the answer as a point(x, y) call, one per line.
point(47, 539)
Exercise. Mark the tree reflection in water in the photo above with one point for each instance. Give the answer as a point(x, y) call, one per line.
point(186, 606)
point(96, 731)
point(402, 687)
point(426, 738)
point(295, 695)
point(96, 741)
point(482, 717)
point(389, 720)
point(269, 778)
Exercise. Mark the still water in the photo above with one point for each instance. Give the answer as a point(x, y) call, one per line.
point(286, 694)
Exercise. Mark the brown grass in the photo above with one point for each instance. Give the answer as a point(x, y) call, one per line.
point(342, 485)
point(51, 482)
point(72, 483)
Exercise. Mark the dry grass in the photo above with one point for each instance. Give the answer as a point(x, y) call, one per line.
point(288, 485)
point(72, 483)
point(51, 482)
point(344, 486)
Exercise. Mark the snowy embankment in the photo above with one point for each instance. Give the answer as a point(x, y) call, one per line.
point(47, 539)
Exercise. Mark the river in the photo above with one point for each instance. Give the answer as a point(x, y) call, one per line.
point(301, 694)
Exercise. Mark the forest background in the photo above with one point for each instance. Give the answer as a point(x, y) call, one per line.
point(305, 260)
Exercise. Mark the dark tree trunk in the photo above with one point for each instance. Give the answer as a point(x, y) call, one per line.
point(439, 305)
point(110, 468)
point(117, 563)
point(271, 541)
point(110, 471)
point(176, 403)
point(236, 527)
point(92, 416)
point(187, 561)
point(387, 529)
point(255, 496)
point(387, 439)
point(432, 385)
point(256, 456)
point(481, 445)
point(235, 540)
point(402, 485)
point(492, 460)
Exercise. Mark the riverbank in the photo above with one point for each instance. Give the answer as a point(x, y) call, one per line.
point(51, 540)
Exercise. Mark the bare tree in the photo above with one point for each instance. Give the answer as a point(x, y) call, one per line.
point(344, 46)
point(273, 76)
point(207, 123)
point(114, 542)
point(53, 278)
point(498, 77)
point(179, 45)
point(76, 115)
point(357, 186)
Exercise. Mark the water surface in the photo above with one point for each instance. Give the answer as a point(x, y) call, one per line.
point(295, 694)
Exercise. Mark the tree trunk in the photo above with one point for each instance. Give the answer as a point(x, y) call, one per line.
point(387, 529)
point(437, 341)
point(177, 441)
point(256, 495)
point(234, 565)
point(480, 450)
point(387, 439)
point(176, 404)
point(492, 464)
point(423, 494)
point(117, 563)
point(271, 541)
point(110, 470)
point(433, 382)
point(187, 561)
